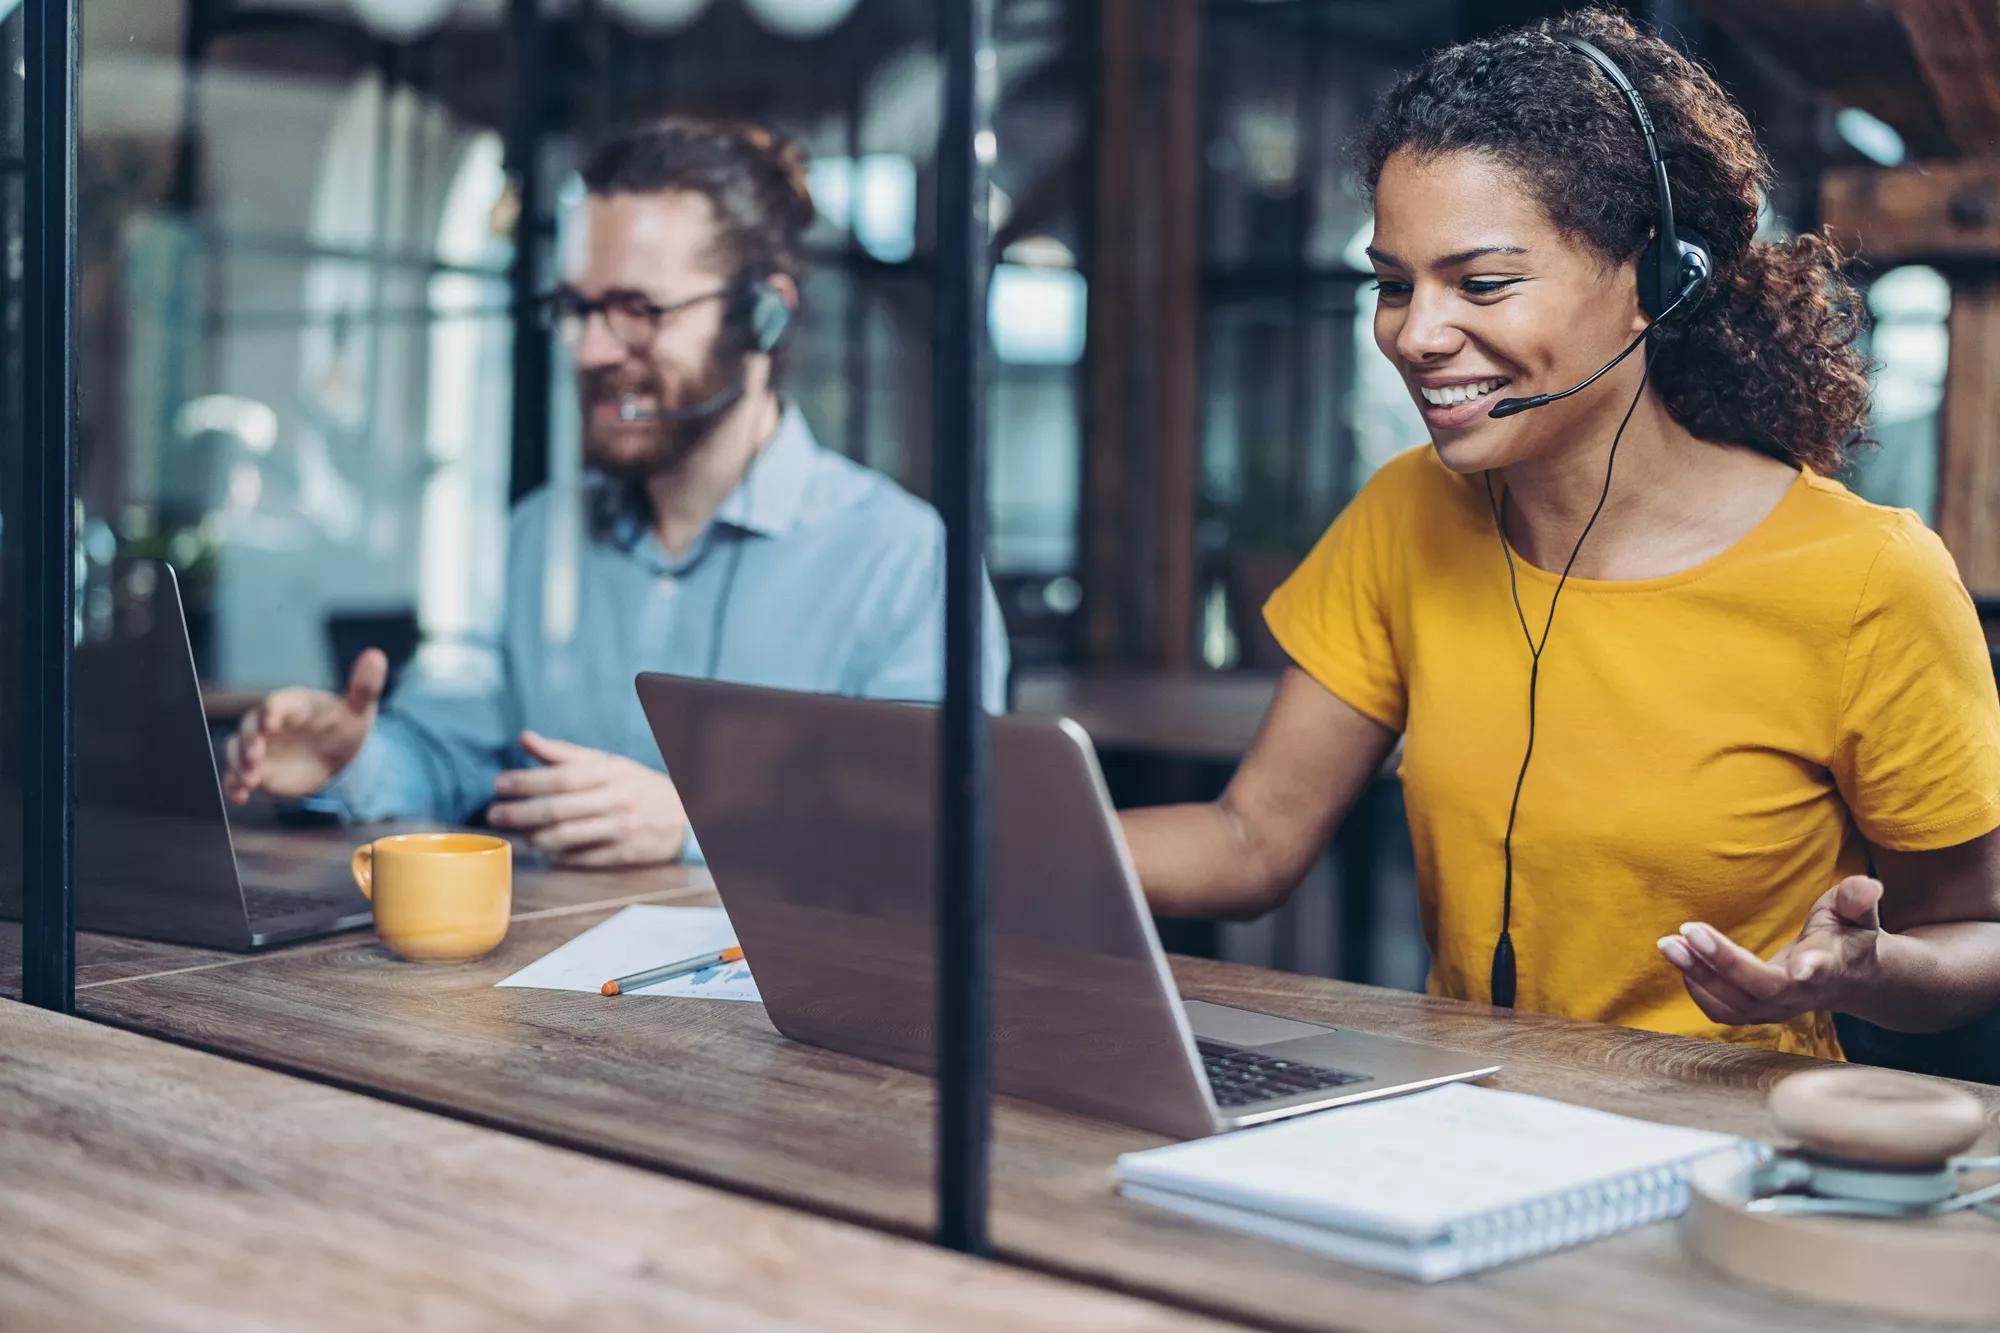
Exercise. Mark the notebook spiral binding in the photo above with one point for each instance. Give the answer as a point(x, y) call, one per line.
point(1586, 1214)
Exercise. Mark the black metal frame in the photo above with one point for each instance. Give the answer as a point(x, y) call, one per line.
point(964, 983)
point(48, 506)
point(529, 466)
point(12, 167)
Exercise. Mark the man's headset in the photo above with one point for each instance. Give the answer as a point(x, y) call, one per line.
point(1673, 272)
point(763, 313)
point(759, 318)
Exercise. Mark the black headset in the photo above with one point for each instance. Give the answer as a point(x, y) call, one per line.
point(1674, 266)
point(1676, 263)
point(760, 318)
point(1673, 272)
point(763, 314)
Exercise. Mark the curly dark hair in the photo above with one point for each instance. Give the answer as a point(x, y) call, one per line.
point(1768, 359)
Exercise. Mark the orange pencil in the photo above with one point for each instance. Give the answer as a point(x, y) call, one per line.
point(655, 974)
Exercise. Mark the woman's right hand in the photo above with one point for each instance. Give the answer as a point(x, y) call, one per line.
point(296, 740)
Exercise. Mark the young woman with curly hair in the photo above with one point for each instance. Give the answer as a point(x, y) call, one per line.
point(1764, 699)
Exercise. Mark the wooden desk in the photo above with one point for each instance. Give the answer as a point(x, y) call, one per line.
point(314, 857)
point(147, 1184)
point(710, 1092)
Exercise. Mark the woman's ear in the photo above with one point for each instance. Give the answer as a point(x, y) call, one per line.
point(1628, 290)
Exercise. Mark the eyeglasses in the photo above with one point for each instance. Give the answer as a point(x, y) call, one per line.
point(631, 318)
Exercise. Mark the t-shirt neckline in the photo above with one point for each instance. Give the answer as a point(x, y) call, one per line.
point(1758, 534)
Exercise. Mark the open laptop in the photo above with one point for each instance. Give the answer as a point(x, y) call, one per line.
point(818, 815)
point(154, 852)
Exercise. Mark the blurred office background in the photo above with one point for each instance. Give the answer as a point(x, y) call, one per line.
point(302, 233)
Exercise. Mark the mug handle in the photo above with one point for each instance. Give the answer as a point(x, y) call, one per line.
point(364, 870)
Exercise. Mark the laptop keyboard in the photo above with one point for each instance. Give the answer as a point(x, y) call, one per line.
point(270, 904)
point(1240, 1077)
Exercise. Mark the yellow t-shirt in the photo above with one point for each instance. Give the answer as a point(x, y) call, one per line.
point(1713, 745)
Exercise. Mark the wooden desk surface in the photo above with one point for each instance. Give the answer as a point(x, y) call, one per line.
point(709, 1091)
point(310, 858)
point(150, 1185)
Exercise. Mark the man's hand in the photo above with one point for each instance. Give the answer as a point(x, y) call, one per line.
point(296, 740)
point(1831, 960)
point(589, 808)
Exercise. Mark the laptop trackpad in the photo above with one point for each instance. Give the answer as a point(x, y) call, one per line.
point(1246, 1027)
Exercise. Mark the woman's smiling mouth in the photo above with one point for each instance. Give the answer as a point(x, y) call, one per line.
point(1458, 393)
point(1458, 403)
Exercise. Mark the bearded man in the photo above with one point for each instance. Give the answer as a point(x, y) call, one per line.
point(713, 537)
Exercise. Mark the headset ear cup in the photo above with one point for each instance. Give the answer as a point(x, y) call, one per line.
point(1660, 282)
point(770, 318)
point(1697, 262)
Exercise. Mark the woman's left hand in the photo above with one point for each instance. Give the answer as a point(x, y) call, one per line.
point(1832, 957)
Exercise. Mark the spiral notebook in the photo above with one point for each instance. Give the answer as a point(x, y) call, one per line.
point(1434, 1184)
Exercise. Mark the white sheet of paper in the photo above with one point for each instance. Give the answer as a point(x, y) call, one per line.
point(640, 937)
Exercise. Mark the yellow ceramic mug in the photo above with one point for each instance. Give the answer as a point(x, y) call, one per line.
point(439, 897)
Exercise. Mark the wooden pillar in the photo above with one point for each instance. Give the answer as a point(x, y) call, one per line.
point(1956, 44)
point(1142, 432)
point(1969, 474)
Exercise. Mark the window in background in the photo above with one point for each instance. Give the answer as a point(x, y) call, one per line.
point(353, 497)
point(281, 259)
point(1036, 318)
point(872, 198)
point(1297, 407)
point(464, 510)
point(1909, 345)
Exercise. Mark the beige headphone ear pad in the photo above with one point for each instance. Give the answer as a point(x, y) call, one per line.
point(1875, 1117)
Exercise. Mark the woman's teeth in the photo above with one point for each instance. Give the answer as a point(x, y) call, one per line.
point(1458, 393)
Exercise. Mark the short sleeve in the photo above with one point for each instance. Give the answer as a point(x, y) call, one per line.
point(1917, 755)
point(1332, 616)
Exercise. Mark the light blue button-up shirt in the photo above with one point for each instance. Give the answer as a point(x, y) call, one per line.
point(816, 574)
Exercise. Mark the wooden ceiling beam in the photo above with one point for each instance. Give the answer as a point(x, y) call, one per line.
point(1850, 52)
point(1946, 211)
point(1956, 44)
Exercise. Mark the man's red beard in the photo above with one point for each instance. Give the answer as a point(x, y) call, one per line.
point(624, 434)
